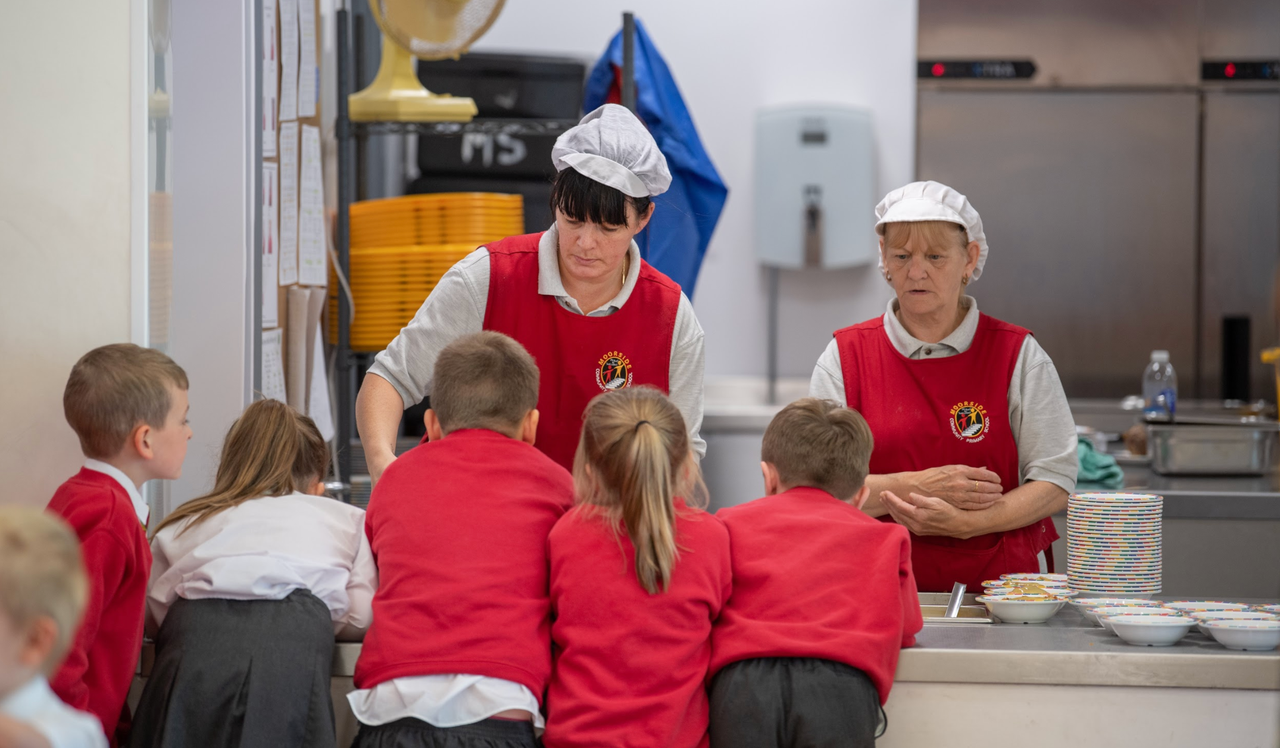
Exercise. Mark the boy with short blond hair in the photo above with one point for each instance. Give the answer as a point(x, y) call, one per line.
point(128, 406)
point(805, 650)
point(459, 652)
point(42, 596)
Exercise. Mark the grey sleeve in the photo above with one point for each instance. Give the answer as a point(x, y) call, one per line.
point(688, 362)
point(453, 309)
point(827, 381)
point(1043, 427)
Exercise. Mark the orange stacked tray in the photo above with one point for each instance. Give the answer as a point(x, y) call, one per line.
point(401, 246)
point(389, 284)
point(479, 217)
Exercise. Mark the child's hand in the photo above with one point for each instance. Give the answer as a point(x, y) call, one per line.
point(15, 734)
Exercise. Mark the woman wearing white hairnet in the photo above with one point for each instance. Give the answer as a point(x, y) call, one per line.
point(594, 315)
point(975, 446)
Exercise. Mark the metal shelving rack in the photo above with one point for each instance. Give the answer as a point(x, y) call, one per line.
point(349, 134)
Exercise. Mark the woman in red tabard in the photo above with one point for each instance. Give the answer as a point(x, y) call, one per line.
point(637, 578)
point(975, 445)
point(595, 316)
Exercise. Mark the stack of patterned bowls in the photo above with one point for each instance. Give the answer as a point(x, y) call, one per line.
point(1114, 543)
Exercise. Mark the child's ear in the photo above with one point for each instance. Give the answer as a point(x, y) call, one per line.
point(38, 642)
point(861, 496)
point(140, 440)
point(529, 427)
point(434, 432)
point(772, 484)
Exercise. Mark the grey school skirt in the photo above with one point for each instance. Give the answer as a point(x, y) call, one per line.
point(243, 673)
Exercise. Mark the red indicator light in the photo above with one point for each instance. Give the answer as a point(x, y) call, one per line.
point(939, 69)
point(1230, 70)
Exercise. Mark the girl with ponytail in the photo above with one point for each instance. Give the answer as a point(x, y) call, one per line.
point(638, 575)
point(249, 585)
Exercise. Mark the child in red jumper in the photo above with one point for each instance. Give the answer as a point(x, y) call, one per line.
point(823, 595)
point(637, 578)
point(128, 405)
point(459, 651)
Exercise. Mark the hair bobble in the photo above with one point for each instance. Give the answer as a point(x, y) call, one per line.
point(636, 430)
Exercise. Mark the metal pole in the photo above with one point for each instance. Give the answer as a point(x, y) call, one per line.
point(773, 335)
point(346, 172)
point(629, 61)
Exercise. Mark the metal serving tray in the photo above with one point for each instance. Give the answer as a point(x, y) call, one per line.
point(1212, 448)
point(933, 606)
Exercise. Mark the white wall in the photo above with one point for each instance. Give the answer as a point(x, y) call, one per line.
point(731, 58)
point(64, 222)
point(214, 185)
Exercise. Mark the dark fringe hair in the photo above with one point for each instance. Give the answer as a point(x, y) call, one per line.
point(581, 198)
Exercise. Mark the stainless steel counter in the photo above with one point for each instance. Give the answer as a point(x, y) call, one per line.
point(1067, 650)
point(1207, 497)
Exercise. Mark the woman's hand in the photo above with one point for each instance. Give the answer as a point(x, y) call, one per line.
point(925, 515)
point(961, 486)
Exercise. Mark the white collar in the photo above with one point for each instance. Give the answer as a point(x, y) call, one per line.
point(27, 700)
point(550, 284)
point(139, 505)
point(959, 340)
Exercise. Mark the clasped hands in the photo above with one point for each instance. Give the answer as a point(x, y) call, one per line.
point(943, 497)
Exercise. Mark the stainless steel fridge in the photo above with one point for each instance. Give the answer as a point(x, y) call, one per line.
point(1129, 187)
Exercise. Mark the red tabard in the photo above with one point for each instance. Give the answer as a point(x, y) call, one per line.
point(578, 356)
point(945, 411)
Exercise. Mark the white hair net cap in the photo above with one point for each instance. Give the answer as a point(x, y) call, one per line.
point(614, 148)
point(932, 201)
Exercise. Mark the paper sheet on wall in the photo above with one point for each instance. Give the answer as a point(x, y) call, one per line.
point(288, 60)
point(321, 413)
point(311, 245)
point(272, 366)
point(270, 245)
point(308, 73)
point(295, 353)
point(270, 71)
point(288, 203)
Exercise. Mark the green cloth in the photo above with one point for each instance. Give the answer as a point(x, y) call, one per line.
point(1098, 467)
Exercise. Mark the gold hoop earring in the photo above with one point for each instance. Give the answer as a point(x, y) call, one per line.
point(888, 277)
point(964, 281)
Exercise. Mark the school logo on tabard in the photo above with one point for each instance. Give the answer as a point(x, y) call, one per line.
point(613, 372)
point(969, 421)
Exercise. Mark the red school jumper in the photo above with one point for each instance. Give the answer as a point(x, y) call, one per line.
point(96, 675)
point(631, 667)
point(458, 528)
point(578, 356)
point(815, 577)
point(945, 411)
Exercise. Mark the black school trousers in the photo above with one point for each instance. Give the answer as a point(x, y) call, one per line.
point(794, 702)
point(414, 733)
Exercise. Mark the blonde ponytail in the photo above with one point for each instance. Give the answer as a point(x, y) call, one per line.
point(630, 462)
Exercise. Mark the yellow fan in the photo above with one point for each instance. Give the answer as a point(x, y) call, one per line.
point(428, 30)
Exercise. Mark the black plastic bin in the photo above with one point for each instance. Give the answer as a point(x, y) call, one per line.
point(509, 85)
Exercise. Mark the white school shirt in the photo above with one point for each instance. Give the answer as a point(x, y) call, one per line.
point(265, 548)
point(1043, 427)
point(457, 304)
point(442, 700)
point(139, 506)
point(64, 727)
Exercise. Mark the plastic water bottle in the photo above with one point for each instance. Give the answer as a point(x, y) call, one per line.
point(1159, 388)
